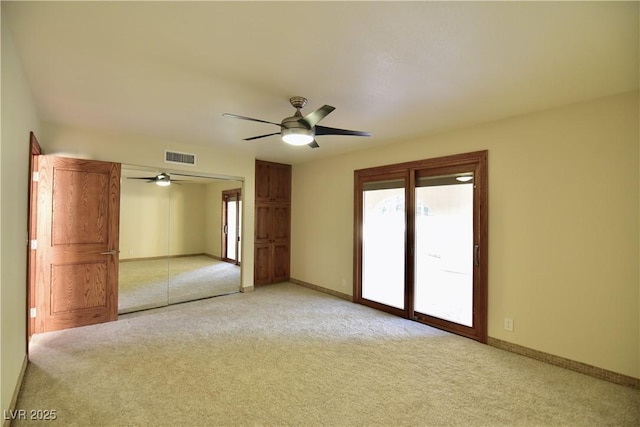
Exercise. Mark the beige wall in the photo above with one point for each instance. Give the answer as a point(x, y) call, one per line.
point(187, 219)
point(18, 118)
point(563, 225)
point(144, 151)
point(144, 220)
point(193, 213)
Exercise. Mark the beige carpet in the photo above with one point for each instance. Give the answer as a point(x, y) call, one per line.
point(152, 283)
point(287, 355)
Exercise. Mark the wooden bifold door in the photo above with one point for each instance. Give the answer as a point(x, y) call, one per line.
point(272, 223)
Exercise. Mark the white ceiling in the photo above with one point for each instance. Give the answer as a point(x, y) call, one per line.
point(397, 69)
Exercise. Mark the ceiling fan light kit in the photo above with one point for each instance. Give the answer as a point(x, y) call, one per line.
point(163, 180)
point(297, 134)
point(299, 129)
point(297, 138)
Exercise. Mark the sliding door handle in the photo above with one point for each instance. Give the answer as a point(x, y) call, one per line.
point(476, 255)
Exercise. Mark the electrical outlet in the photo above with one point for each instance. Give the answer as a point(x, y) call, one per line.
point(508, 324)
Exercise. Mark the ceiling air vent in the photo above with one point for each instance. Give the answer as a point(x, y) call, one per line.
point(182, 158)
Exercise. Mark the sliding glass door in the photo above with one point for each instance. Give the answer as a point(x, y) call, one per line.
point(421, 241)
point(231, 208)
point(444, 247)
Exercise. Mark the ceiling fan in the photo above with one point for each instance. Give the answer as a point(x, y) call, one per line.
point(162, 179)
point(299, 129)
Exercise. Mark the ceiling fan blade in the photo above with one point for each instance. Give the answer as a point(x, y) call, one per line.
point(323, 130)
point(144, 177)
point(313, 144)
point(186, 174)
point(312, 119)
point(261, 136)
point(235, 116)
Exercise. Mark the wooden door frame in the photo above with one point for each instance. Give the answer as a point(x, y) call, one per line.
point(35, 150)
point(479, 160)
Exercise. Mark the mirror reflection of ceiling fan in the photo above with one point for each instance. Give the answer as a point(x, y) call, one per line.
point(162, 179)
point(299, 129)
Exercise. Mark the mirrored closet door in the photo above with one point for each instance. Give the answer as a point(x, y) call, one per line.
point(171, 239)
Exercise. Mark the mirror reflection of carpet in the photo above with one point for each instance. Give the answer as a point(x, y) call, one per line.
point(153, 283)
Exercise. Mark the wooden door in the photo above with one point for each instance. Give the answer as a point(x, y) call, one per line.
point(263, 181)
point(280, 222)
point(279, 262)
point(262, 263)
point(273, 182)
point(77, 254)
point(280, 183)
point(262, 223)
point(272, 222)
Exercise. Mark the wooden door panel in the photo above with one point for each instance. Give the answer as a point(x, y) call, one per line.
point(80, 207)
point(78, 287)
point(262, 265)
point(263, 181)
point(280, 183)
point(263, 223)
point(280, 262)
point(77, 255)
point(280, 219)
point(273, 182)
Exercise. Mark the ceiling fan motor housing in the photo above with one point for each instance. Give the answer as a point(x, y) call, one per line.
point(294, 123)
point(298, 101)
